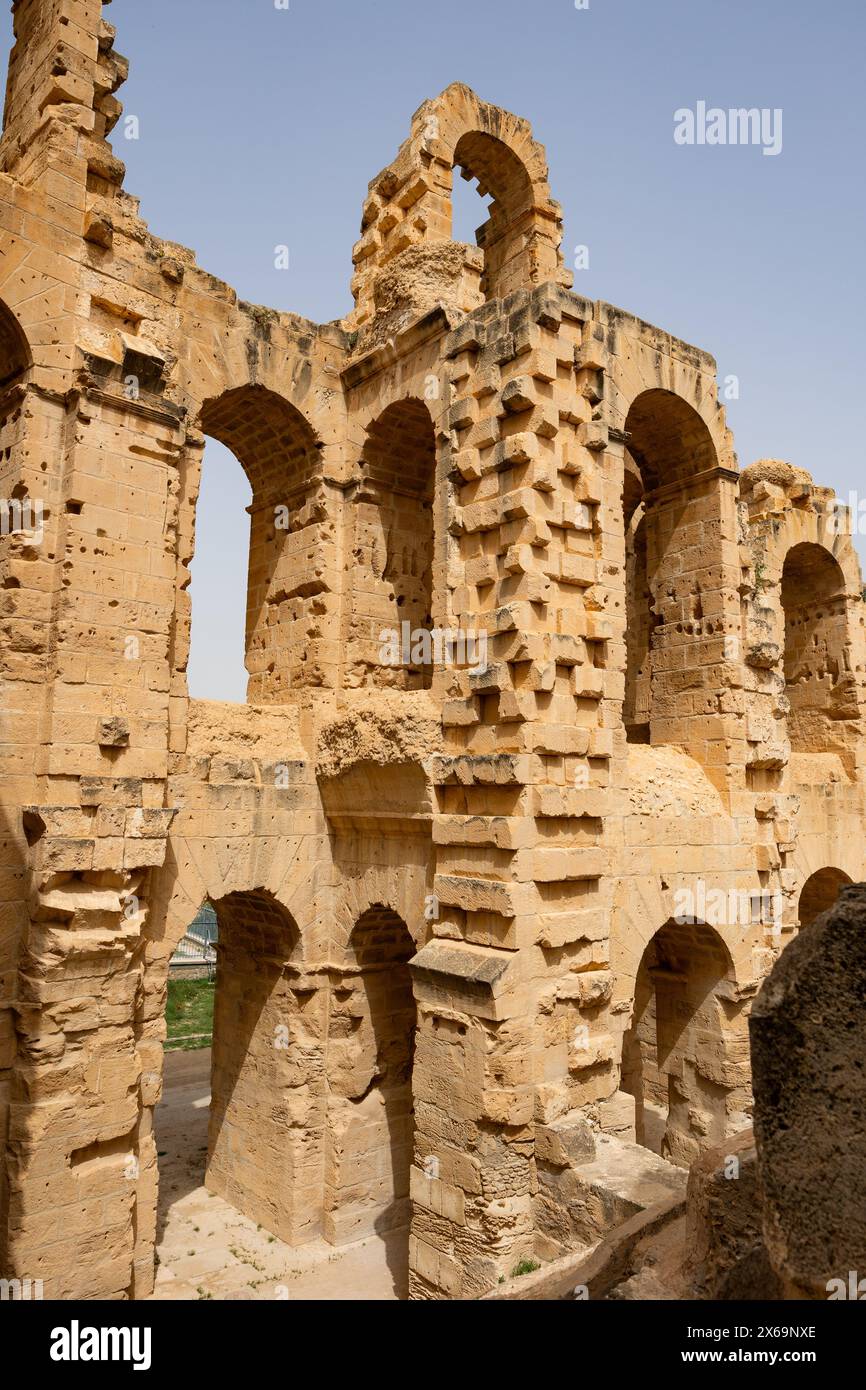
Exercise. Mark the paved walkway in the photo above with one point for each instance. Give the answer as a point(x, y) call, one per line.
point(207, 1249)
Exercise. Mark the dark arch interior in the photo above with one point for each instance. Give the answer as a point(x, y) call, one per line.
point(818, 682)
point(15, 358)
point(666, 442)
point(678, 1021)
point(819, 893)
point(392, 544)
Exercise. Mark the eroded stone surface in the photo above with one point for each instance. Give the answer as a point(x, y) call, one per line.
point(810, 1092)
point(446, 886)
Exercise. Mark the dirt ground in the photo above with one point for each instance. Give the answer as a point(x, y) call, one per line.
point(207, 1249)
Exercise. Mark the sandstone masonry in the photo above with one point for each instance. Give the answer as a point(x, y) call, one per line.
point(453, 952)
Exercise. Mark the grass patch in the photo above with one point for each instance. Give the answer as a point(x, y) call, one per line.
point(189, 1014)
point(525, 1267)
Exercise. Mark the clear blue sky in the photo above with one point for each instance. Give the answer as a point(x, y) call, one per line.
point(261, 126)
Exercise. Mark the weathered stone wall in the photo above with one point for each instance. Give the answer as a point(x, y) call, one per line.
point(478, 448)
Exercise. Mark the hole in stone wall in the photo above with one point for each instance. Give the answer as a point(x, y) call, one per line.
point(469, 210)
point(218, 588)
point(258, 588)
point(504, 234)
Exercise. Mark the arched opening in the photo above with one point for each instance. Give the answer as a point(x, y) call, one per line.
point(637, 706)
point(243, 1120)
point(15, 358)
point(673, 1057)
point(672, 577)
point(217, 667)
point(255, 1151)
point(370, 1109)
point(469, 210)
point(392, 553)
point(819, 893)
point(285, 579)
point(505, 237)
point(818, 682)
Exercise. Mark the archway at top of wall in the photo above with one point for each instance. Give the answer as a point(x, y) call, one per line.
point(500, 175)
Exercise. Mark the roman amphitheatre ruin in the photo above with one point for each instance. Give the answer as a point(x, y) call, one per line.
point(458, 1002)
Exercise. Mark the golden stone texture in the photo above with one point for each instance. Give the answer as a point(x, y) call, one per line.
point(445, 890)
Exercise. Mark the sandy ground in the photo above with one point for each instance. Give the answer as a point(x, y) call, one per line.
point(207, 1249)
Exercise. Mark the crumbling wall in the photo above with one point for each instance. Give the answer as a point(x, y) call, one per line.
point(469, 450)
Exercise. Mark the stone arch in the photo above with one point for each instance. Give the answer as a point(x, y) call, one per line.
point(409, 203)
point(280, 454)
point(819, 893)
point(669, 453)
point(370, 1122)
point(638, 903)
point(403, 891)
point(677, 1059)
point(257, 1151)
point(790, 521)
point(501, 174)
point(640, 618)
point(820, 684)
point(667, 438)
point(212, 869)
point(391, 555)
point(16, 358)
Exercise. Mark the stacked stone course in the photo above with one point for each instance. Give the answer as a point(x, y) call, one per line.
point(445, 891)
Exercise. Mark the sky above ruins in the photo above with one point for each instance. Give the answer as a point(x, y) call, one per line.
point(259, 125)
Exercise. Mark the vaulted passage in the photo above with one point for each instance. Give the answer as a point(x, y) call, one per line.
point(260, 1151)
point(392, 549)
point(677, 1054)
point(370, 1110)
point(818, 681)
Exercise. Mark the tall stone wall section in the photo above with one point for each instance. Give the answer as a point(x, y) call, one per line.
point(482, 831)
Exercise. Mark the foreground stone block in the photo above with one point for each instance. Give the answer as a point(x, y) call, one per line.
point(807, 1030)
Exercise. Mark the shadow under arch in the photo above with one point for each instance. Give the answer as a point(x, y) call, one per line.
point(674, 1056)
point(819, 683)
point(392, 548)
point(16, 359)
point(670, 470)
point(254, 1152)
point(819, 893)
point(371, 1111)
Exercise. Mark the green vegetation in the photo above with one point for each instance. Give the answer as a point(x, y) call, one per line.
point(189, 1014)
point(525, 1267)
